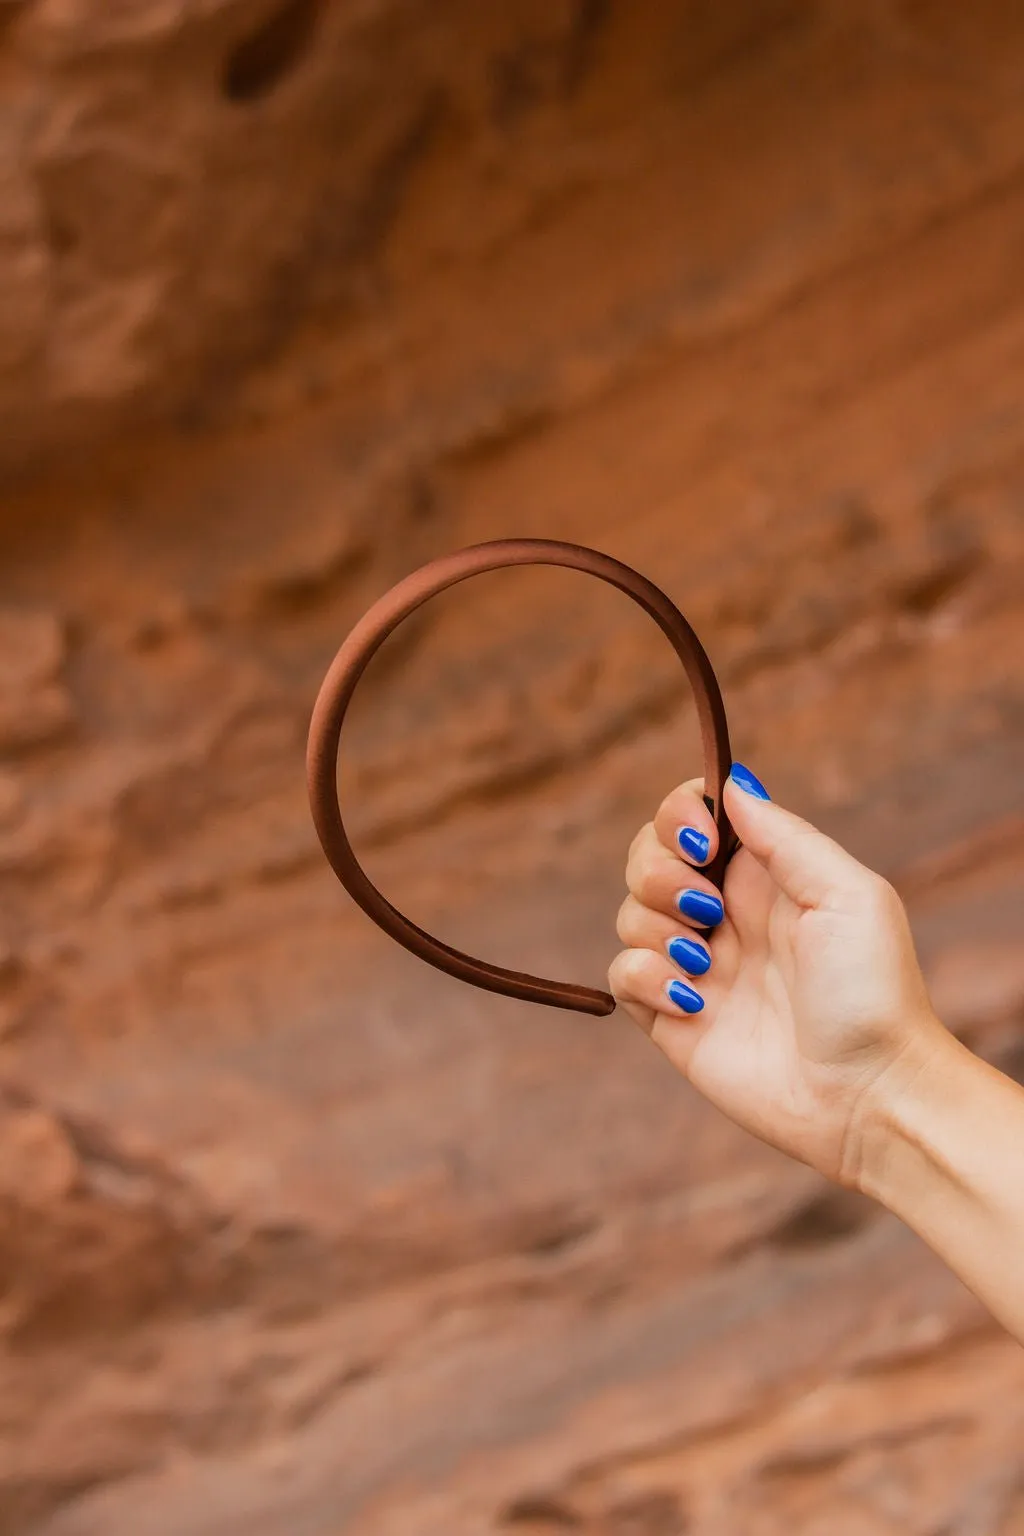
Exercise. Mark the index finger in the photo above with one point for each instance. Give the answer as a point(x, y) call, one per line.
point(684, 824)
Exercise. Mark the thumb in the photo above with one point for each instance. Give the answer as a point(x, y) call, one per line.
point(808, 866)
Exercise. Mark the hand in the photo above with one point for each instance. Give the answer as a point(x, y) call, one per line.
point(807, 994)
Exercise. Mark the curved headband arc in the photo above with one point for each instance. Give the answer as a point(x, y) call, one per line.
point(348, 666)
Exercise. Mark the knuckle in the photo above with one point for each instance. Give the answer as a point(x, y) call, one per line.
point(625, 921)
point(639, 842)
point(636, 967)
point(636, 925)
point(616, 975)
point(881, 898)
point(683, 796)
point(627, 971)
point(642, 876)
point(668, 809)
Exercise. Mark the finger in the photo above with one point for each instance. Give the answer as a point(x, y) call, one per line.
point(678, 1038)
point(685, 825)
point(808, 866)
point(660, 880)
point(640, 928)
point(750, 893)
point(647, 984)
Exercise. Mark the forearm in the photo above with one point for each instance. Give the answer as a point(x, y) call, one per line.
point(942, 1146)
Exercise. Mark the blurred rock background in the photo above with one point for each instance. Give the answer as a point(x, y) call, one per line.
point(296, 1235)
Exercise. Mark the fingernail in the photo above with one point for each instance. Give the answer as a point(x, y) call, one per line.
point(693, 843)
point(689, 956)
point(685, 997)
point(701, 907)
point(749, 781)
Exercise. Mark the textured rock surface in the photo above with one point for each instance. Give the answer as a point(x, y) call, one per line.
point(295, 1235)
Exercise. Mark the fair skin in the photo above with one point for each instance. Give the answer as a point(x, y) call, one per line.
point(812, 1027)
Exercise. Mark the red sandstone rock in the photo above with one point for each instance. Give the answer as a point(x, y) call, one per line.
point(296, 1235)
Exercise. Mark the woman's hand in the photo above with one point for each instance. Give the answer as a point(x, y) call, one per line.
point(805, 1018)
point(807, 997)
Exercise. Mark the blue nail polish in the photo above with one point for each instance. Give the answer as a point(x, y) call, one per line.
point(749, 781)
point(702, 908)
point(694, 844)
point(685, 997)
point(690, 957)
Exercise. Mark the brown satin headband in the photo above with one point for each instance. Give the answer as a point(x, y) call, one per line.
point(340, 684)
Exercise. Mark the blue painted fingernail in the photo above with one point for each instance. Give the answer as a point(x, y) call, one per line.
point(685, 997)
point(690, 957)
point(694, 844)
point(701, 907)
point(749, 781)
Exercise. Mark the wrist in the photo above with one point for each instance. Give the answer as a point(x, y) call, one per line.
point(895, 1132)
